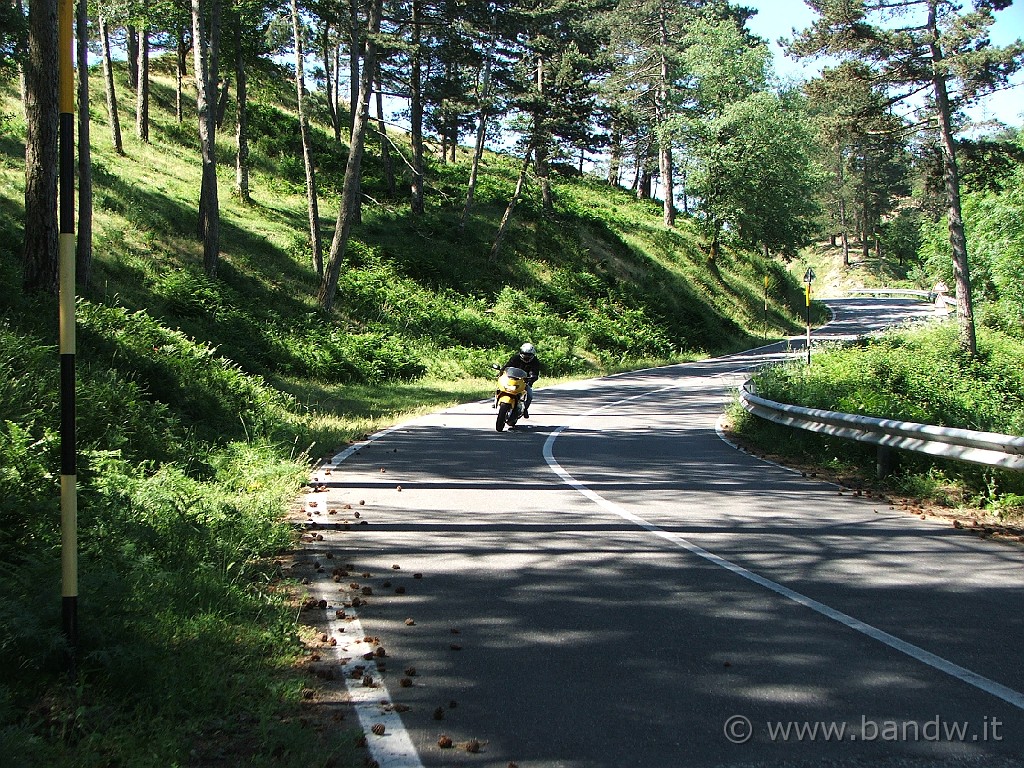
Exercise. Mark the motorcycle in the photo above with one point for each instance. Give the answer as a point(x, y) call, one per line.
point(510, 396)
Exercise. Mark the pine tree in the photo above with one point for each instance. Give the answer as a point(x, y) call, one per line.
point(924, 45)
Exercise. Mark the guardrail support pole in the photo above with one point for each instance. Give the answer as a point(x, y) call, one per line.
point(885, 461)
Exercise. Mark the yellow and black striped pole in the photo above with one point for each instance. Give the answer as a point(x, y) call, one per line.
point(66, 246)
point(808, 279)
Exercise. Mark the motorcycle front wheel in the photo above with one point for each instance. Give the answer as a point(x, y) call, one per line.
point(503, 409)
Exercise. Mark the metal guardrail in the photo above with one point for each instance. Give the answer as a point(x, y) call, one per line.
point(893, 292)
point(929, 296)
point(988, 448)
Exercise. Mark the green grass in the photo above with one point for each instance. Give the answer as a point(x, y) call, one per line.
point(203, 404)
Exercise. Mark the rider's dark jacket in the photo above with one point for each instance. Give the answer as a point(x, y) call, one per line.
point(532, 367)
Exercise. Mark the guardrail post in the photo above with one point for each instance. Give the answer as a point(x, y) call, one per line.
point(885, 461)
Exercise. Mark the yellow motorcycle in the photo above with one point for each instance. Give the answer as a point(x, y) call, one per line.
point(510, 396)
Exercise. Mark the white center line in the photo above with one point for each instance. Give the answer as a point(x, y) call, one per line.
point(1010, 696)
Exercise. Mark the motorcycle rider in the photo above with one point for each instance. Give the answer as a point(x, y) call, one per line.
point(526, 358)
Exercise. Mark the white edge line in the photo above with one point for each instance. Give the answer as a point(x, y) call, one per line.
point(1000, 691)
point(373, 703)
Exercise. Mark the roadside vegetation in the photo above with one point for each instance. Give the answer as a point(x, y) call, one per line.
point(203, 403)
point(922, 374)
point(916, 374)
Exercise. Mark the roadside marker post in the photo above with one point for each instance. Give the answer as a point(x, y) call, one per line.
point(66, 301)
point(808, 279)
point(766, 309)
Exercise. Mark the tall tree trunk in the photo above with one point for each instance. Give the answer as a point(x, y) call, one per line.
point(350, 190)
point(132, 45)
point(22, 45)
point(541, 163)
point(312, 207)
point(665, 141)
point(507, 217)
point(179, 75)
point(83, 241)
point(844, 227)
point(615, 161)
point(206, 45)
point(951, 179)
point(643, 188)
point(355, 47)
point(843, 219)
point(222, 101)
point(865, 224)
point(335, 86)
point(111, 92)
point(385, 143)
point(42, 117)
point(713, 249)
point(541, 148)
point(416, 114)
point(142, 91)
point(481, 138)
point(329, 54)
point(668, 183)
point(241, 122)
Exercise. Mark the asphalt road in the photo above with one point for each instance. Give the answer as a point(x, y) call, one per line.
point(615, 585)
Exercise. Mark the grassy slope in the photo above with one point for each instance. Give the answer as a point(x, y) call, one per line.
point(202, 401)
point(602, 261)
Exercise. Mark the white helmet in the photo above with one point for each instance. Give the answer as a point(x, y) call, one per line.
point(527, 351)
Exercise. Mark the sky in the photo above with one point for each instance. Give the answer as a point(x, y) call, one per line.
point(778, 18)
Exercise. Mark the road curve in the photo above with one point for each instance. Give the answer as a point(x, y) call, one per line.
point(615, 585)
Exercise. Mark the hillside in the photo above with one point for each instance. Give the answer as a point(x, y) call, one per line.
point(202, 402)
point(599, 286)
